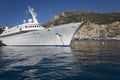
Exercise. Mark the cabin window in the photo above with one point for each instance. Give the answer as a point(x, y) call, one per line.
point(20, 29)
point(48, 29)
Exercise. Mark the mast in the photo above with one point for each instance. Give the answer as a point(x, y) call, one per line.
point(33, 13)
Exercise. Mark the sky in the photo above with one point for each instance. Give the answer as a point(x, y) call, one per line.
point(13, 12)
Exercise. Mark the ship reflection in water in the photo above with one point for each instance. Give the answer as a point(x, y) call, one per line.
point(86, 60)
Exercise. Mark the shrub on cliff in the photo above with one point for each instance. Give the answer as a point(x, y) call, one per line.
point(78, 16)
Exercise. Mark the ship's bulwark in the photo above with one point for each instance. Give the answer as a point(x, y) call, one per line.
point(55, 36)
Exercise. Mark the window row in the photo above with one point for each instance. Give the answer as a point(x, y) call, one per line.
point(31, 26)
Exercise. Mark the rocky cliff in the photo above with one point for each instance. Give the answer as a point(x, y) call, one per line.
point(99, 31)
point(97, 25)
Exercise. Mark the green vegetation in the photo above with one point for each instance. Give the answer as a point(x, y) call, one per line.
point(86, 16)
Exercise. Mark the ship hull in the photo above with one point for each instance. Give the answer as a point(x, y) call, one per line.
point(55, 36)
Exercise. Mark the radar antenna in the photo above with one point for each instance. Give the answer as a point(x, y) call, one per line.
point(33, 13)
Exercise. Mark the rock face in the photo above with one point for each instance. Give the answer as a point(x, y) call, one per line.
point(113, 29)
point(93, 30)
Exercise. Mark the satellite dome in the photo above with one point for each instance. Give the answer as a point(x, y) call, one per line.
point(30, 20)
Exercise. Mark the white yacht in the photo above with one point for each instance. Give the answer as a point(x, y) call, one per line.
point(32, 33)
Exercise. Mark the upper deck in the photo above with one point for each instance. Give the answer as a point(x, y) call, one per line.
point(22, 28)
point(31, 25)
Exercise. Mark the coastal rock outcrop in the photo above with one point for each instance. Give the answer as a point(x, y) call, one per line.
point(94, 31)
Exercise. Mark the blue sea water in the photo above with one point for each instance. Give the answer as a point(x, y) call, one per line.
point(87, 60)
